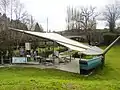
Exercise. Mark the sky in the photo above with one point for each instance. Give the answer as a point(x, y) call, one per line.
point(55, 11)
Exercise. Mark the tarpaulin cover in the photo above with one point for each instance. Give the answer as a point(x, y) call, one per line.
point(69, 43)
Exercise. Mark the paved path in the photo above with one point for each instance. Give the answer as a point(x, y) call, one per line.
point(73, 66)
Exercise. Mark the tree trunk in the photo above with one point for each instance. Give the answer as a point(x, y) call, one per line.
point(88, 38)
point(112, 27)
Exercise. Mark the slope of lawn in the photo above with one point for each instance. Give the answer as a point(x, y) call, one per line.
point(17, 78)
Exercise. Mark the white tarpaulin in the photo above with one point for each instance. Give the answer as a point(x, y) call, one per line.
point(93, 51)
point(74, 45)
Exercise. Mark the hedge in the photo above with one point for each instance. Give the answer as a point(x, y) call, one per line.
point(109, 38)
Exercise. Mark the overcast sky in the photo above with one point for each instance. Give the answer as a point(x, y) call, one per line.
point(55, 10)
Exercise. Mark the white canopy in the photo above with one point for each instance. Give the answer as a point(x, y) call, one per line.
point(74, 45)
point(93, 51)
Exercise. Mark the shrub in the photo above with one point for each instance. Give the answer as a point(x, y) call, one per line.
point(76, 55)
point(109, 38)
point(46, 53)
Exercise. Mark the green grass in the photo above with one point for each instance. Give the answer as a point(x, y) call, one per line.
point(50, 79)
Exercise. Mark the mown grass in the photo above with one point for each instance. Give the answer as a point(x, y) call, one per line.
point(19, 78)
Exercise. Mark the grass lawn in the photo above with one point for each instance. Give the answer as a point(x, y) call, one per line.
point(50, 79)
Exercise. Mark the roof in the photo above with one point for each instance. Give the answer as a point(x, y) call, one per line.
point(69, 43)
point(94, 50)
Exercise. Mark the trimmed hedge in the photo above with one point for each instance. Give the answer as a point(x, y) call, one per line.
point(109, 38)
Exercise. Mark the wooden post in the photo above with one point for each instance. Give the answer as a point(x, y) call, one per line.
point(10, 61)
point(103, 60)
point(45, 51)
point(80, 60)
point(53, 52)
point(2, 60)
point(70, 58)
point(58, 53)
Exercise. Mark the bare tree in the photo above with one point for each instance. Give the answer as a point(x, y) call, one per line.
point(76, 17)
point(111, 15)
point(20, 13)
point(87, 17)
point(68, 17)
point(12, 2)
point(4, 5)
point(82, 18)
point(31, 22)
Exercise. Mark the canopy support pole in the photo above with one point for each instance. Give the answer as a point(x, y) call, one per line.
point(45, 51)
point(80, 60)
point(70, 57)
point(59, 53)
point(107, 49)
point(2, 60)
point(53, 52)
point(103, 60)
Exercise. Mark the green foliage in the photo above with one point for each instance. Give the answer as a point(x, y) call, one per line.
point(45, 52)
point(88, 57)
point(62, 49)
point(16, 53)
point(76, 55)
